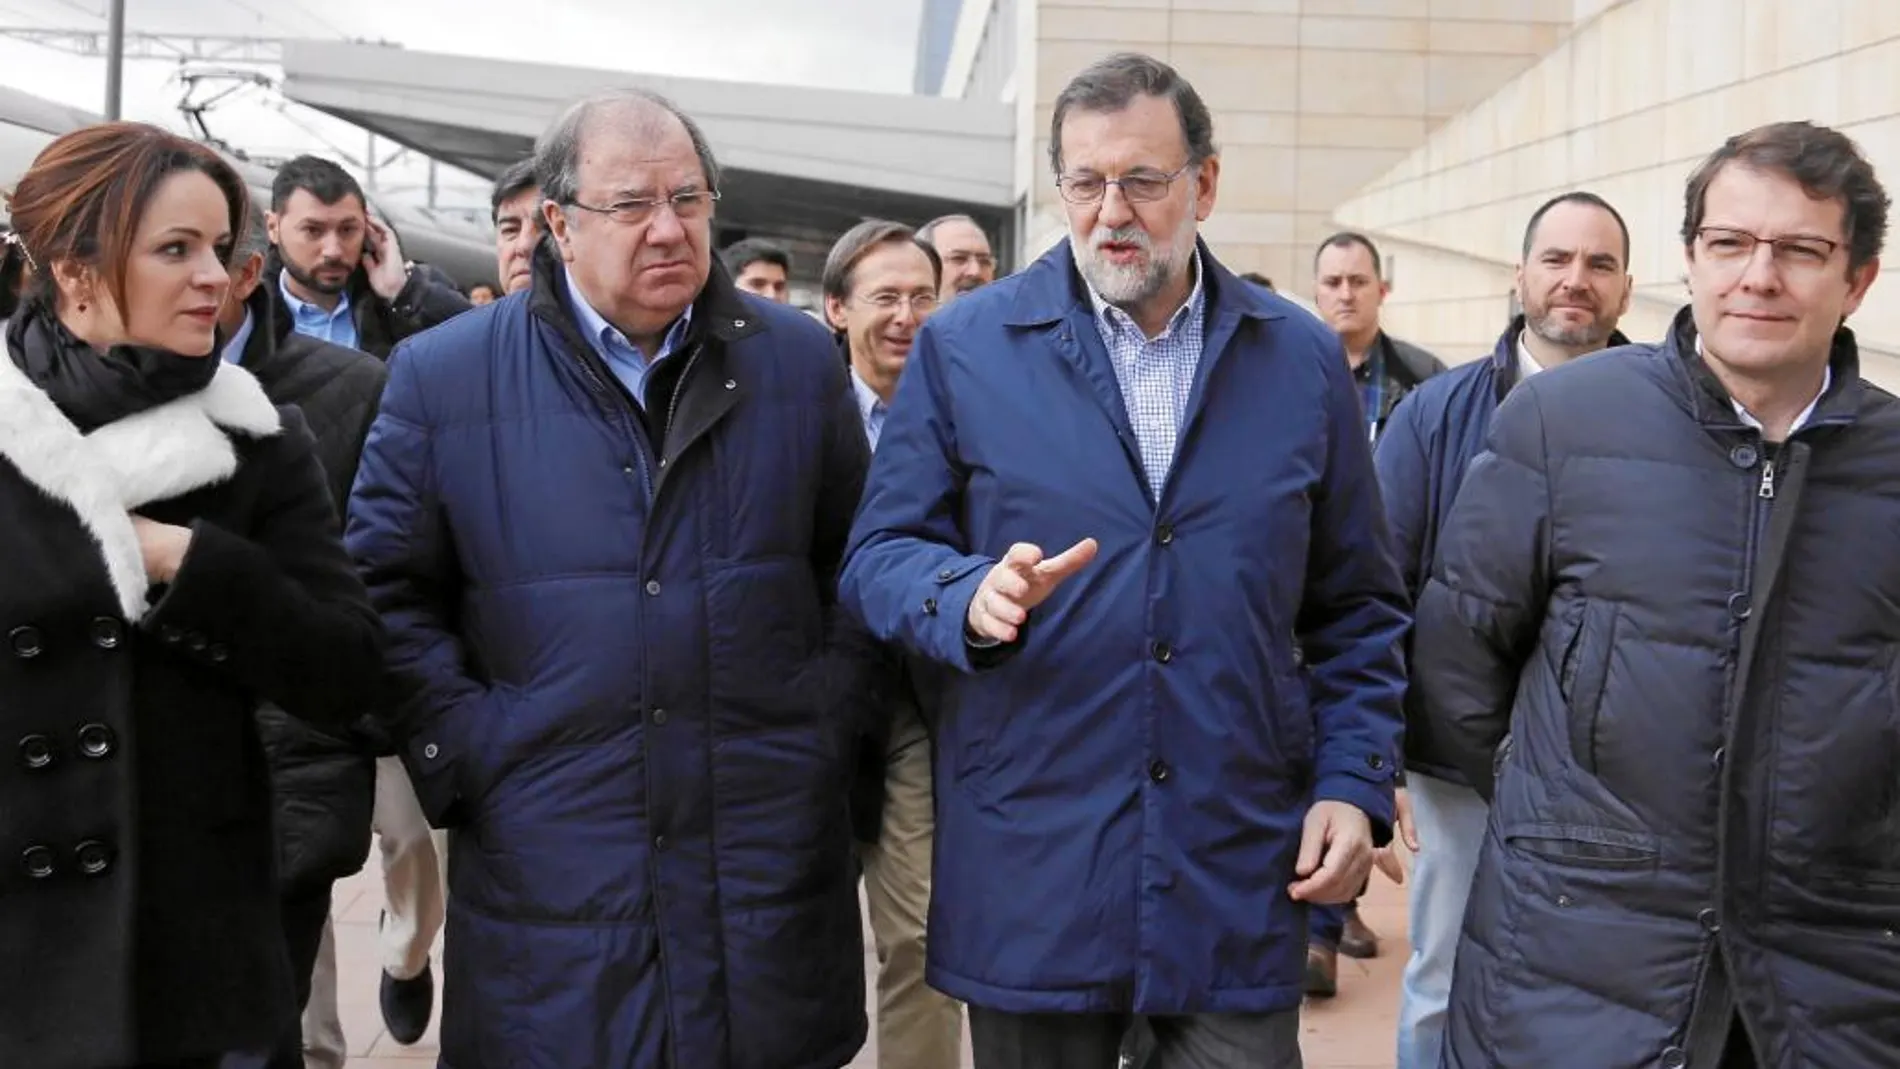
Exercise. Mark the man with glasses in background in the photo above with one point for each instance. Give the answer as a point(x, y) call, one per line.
point(603, 524)
point(1116, 489)
point(880, 284)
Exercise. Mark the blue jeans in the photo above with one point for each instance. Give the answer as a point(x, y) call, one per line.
point(1451, 825)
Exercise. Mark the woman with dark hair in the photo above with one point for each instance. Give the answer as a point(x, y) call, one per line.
point(172, 560)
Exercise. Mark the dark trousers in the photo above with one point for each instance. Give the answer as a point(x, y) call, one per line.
point(303, 916)
point(1094, 1041)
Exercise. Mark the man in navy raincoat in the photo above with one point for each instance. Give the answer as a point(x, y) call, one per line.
point(1114, 494)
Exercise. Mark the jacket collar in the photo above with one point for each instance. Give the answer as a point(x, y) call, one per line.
point(1052, 288)
point(1708, 400)
point(158, 454)
point(1504, 363)
point(720, 311)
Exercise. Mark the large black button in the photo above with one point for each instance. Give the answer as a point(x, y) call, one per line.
point(930, 606)
point(94, 857)
point(219, 653)
point(1744, 456)
point(1720, 755)
point(1158, 770)
point(196, 642)
point(106, 633)
point(1709, 922)
point(1165, 534)
point(945, 576)
point(1738, 606)
point(659, 843)
point(653, 588)
point(1673, 1058)
point(659, 716)
point(36, 751)
point(95, 741)
point(25, 641)
point(1163, 652)
point(170, 635)
point(1376, 763)
point(37, 861)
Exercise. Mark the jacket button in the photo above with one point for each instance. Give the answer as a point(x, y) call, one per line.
point(945, 575)
point(659, 843)
point(1743, 456)
point(25, 641)
point(653, 588)
point(1165, 534)
point(930, 606)
point(659, 716)
point(95, 741)
point(106, 633)
point(36, 751)
point(94, 857)
point(1709, 922)
point(37, 861)
point(732, 384)
point(1674, 1058)
point(1163, 652)
point(1738, 606)
point(1158, 770)
point(170, 635)
point(219, 653)
point(431, 751)
point(196, 642)
point(1376, 763)
point(1720, 755)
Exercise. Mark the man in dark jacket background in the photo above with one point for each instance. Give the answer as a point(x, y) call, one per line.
point(1669, 590)
point(337, 273)
point(1574, 284)
point(322, 781)
point(1349, 289)
point(603, 519)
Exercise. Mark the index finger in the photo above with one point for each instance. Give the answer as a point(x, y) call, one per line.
point(1069, 561)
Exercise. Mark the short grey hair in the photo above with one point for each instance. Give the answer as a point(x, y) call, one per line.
point(1113, 83)
point(557, 153)
point(254, 241)
point(927, 233)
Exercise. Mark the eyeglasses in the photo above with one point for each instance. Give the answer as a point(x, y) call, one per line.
point(1728, 247)
point(1136, 187)
point(887, 301)
point(687, 205)
point(979, 259)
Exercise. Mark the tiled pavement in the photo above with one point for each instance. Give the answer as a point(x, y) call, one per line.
point(1352, 1031)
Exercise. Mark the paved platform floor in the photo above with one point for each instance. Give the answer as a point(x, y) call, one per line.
point(1352, 1031)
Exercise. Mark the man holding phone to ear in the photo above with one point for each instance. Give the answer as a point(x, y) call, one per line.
point(339, 272)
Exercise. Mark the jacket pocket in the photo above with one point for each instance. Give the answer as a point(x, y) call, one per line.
point(1586, 669)
point(1584, 846)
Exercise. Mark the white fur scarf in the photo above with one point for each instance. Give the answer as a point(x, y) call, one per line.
point(161, 453)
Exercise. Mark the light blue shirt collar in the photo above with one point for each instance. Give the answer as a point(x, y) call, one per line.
point(334, 326)
point(1118, 320)
point(871, 408)
point(622, 357)
point(234, 348)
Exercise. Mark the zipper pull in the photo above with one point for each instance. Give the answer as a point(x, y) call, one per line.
point(1768, 480)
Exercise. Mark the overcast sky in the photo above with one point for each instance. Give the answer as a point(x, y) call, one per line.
point(859, 44)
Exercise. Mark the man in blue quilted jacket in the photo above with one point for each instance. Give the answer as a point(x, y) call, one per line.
point(602, 517)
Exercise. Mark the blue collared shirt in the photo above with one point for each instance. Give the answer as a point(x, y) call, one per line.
point(871, 408)
point(622, 357)
point(1156, 375)
point(336, 326)
point(234, 348)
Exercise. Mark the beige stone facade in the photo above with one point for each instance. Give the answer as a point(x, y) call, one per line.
point(1625, 106)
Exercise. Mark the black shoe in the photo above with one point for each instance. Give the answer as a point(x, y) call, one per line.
point(407, 1005)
